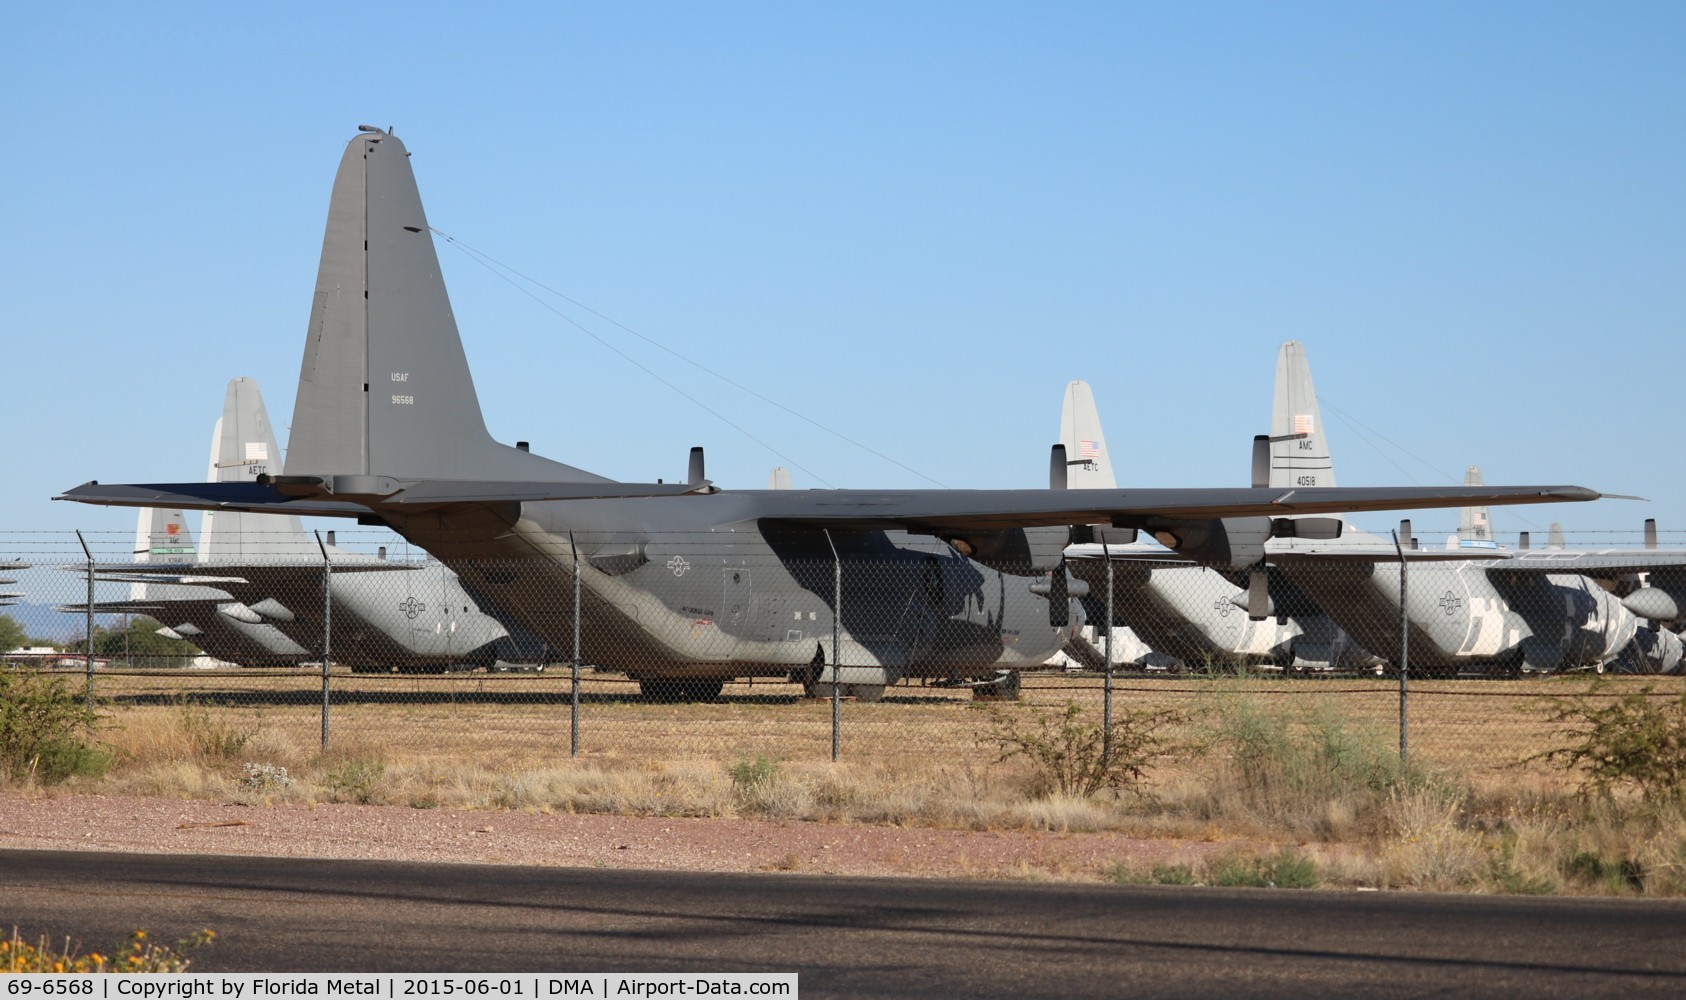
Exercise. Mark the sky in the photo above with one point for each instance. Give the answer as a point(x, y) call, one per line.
point(871, 242)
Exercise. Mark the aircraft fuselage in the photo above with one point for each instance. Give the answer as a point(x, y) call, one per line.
point(703, 587)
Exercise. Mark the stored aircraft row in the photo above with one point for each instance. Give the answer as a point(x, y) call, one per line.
point(1334, 602)
point(687, 585)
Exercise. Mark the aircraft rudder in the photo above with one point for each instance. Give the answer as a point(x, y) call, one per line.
point(1299, 450)
point(385, 388)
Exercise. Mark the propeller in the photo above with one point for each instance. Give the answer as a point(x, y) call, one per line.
point(1261, 460)
point(695, 475)
point(1258, 593)
point(1059, 595)
point(1650, 532)
point(1057, 467)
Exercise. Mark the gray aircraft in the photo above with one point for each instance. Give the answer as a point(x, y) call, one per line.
point(8, 598)
point(1199, 615)
point(685, 585)
point(209, 618)
point(1471, 604)
point(260, 577)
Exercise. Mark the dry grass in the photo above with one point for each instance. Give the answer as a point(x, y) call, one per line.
point(1466, 816)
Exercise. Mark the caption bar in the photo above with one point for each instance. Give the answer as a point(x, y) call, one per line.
point(260, 986)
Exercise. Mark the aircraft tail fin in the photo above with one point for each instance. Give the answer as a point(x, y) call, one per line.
point(1475, 524)
point(1089, 464)
point(243, 447)
point(385, 389)
point(1299, 449)
point(161, 536)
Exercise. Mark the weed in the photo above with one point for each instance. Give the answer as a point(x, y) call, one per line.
point(46, 729)
point(1286, 869)
point(1636, 740)
point(1159, 874)
point(136, 955)
point(1071, 756)
point(753, 775)
point(211, 737)
point(1615, 876)
point(1310, 769)
point(1506, 874)
point(264, 777)
point(356, 779)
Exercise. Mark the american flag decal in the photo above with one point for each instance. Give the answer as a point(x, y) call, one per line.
point(1088, 449)
point(1302, 423)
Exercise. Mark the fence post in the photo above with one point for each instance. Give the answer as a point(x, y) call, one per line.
point(1106, 705)
point(88, 646)
point(836, 662)
point(574, 712)
point(327, 629)
point(1404, 653)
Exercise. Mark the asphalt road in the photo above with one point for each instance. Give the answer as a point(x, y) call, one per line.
point(849, 937)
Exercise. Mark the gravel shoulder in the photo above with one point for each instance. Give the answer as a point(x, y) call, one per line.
point(54, 821)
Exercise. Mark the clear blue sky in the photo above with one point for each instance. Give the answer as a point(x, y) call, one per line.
point(910, 223)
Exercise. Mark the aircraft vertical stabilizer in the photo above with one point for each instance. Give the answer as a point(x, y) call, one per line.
point(1475, 524)
point(243, 447)
point(1089, 465)
point(1299, 450)
point(160, 536)
point(385, 388)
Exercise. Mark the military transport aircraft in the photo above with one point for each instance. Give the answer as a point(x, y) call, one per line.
point(260, 578)
point(8, 598)
point(1471, 604)
point(686, 585)
point(1199, 615)
point(209, 618)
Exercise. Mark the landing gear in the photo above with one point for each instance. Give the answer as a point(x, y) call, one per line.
point(1005, 687)
point(859, 692)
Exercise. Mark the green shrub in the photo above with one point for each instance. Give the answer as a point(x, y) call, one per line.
point(47, 729)
point(1286, 869)
point(356, 779)
point(1587, 866)
point(1159, 874)
point(1070, 755)
point(1636, 740)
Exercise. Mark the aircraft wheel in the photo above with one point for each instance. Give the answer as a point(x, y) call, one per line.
point(809, 678)
point(1005, 687)
point(864, 692)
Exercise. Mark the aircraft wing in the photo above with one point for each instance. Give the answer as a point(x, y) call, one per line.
point(1602, 564)
point(977, 510)
point(316, 499)
point(234, 572)
point(1003, 509)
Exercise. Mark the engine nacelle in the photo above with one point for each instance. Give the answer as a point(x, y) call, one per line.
point(1652, 604)
point(240, 613)
point(1016, 551)
point(1227, 542)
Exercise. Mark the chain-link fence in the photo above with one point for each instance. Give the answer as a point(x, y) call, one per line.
point(720, 645)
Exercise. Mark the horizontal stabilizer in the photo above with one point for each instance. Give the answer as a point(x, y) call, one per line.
point(268, 498)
